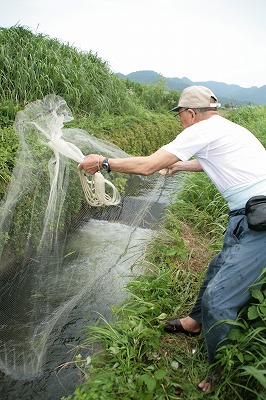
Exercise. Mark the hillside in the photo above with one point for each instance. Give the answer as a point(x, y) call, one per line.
point(34, 65)
point(230, 94)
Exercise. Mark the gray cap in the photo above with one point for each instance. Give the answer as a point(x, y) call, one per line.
point(197, 97)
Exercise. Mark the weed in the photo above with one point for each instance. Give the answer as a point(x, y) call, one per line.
point(132, 358)
point(138, 361)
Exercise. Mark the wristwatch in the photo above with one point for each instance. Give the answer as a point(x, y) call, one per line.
point(106, 166)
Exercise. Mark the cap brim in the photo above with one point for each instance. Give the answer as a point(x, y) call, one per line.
point(175, 109)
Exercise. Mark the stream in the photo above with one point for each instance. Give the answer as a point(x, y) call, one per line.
point(104, 253)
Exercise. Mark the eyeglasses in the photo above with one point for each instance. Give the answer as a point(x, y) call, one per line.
point(177, 116)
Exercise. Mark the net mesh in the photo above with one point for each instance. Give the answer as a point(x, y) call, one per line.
point(55, 249)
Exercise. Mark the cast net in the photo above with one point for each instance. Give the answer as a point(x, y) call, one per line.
point(57, 250)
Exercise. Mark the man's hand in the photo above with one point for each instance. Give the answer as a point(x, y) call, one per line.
point(92, 163)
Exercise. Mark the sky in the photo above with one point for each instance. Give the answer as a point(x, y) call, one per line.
point(203, 40)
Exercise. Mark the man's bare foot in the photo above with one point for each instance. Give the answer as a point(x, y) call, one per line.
point(205, 385)
point(186, 325)
point(208, 384)
point(190, 324)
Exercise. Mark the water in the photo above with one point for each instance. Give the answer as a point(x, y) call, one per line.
point(97, 265)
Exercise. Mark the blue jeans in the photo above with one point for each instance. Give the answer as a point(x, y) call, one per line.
point(225, 288)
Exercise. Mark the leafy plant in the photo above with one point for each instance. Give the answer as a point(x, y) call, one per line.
point(127, 357)
point(154, 97)
point(243, 361)
point(8, 149)
point(169, 288)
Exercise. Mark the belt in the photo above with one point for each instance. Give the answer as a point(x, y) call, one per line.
point(233, 213)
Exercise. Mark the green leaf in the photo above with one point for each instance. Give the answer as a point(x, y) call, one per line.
point(162, 316)
point(149, 382)
point(240, 357)
point(159, 374)
point(171, 252)
point(114, 350)
point(262, 308)
point(234, 334)
point(142, 309)
point(253, 312)
point(259, 374)
point(257, 294)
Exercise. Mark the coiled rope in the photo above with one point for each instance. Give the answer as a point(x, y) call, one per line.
point(94, 188)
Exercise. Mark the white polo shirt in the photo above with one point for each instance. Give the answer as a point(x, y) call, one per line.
point(231, 156)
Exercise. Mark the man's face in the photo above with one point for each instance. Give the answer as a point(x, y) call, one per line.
point(186, 117)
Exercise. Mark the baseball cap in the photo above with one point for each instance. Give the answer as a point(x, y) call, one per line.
point(197, 97)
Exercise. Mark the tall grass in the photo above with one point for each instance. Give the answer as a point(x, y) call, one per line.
point(252, 118)
point(154, 97)
point(201, 205)
point(137, 135)
point(33, 65)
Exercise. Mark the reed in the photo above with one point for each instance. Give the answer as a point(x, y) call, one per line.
point(33, 65)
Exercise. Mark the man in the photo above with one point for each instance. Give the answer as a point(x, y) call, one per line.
point(235, 161)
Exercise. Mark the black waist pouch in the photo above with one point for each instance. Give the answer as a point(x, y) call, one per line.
point(255, 211)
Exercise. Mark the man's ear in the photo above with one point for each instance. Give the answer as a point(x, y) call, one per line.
point(192, 114)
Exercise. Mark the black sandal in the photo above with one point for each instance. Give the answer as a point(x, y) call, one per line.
point(175, 326)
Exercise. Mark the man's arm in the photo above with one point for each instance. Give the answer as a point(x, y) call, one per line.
point(190, 166)
point(145, 165)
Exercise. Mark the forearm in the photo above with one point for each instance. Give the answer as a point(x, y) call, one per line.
point(132, 165)
point(189, 166)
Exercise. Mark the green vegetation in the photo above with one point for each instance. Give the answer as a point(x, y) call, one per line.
point(33, 65)
point(135, 135)
point(136, 360)
point(154, 97)
point(8, 150)
point(252, 118)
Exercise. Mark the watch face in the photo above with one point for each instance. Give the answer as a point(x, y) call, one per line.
point(105, 165)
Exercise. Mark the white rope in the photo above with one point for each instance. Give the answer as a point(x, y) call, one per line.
point(95, 188)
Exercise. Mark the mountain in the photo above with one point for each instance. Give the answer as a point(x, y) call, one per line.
point(227, 94)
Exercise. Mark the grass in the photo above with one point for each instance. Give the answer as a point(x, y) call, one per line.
point(132, 358)
point(33, 65)
point(252, 118)
point(136, 135)
point(137, 360)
